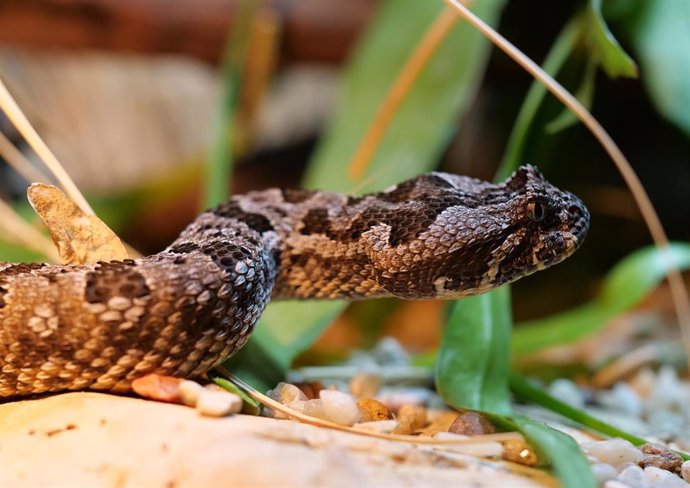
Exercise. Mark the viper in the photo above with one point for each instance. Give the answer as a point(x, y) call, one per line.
point(182, 311)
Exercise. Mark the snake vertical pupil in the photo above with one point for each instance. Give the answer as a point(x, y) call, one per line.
point(537, 211)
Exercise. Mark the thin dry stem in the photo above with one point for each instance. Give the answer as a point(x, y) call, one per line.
point(14, 226)
point(19, 162)
point(677, 286)
point(9, 106)
point(425, 49)
point(269, 402)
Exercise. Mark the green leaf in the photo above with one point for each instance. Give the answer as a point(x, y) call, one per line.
point(472, 363)
point(661, 37)
point(625, 286)
point(561, 450)
point(430, 112)
point(613, 59)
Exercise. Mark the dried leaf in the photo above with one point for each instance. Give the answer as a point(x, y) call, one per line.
point(79, 238)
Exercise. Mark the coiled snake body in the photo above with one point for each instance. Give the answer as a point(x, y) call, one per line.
point(185, 309)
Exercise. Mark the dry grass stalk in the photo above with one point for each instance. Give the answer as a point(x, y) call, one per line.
point(405, 80)
point(17, 117)
point(677, 286)
point(19, 162)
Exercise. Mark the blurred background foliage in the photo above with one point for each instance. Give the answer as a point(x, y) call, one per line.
point(155, 107)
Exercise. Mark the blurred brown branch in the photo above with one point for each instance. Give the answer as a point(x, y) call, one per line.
point(312, 30)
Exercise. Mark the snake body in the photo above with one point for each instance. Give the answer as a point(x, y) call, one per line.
point(182, 311)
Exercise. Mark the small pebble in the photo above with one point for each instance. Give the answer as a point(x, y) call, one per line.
point(371, 410)
point(410, 419)
point(632, 476)
point(604, 472)
point(660, 478)
point(158, 387)
point(659, 456)
point(612, 451)
point(472, 423)
point(218, 403)
point(567, 392)
point(685, 470)
point(365, 385)
point(288, 395)
point(339, 407)
point(520, 452)
point(189, 392)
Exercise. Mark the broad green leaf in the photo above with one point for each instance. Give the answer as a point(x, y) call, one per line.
point(561, 451)
point(558, 54)
point(661, 37)
point(610, 54)
point(472, 362)
point(430, 112)
point(416, 137)
point(625, 286)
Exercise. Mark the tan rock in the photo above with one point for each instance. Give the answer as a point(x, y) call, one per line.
point(96, 440)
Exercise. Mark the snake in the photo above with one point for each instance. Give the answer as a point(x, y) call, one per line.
point(184, 310)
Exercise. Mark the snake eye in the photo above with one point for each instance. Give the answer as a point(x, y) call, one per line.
point(537, 210)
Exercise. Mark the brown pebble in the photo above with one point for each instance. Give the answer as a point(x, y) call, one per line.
point(371, 410)
point(158, 387)
point(472, 423)
point(661, 457)
point(440, 421)
point(519, 452)
point(410, 419)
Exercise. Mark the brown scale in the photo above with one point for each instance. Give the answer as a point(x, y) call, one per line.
point(184, 310)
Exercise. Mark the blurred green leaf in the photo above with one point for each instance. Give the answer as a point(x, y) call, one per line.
point(584, 93)
point(219, 162)
point(626, 285)
point(661, 37)
point(561, 451)
point(610, 54)
point(430, 112)
point(417, 135)
point(472, 362)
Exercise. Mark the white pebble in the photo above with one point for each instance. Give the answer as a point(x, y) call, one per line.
point(604, 472)
point(660, 478)
point(612, 451)
point(567, 392)
point(189, 392)
point(633, 477)
point(339, 407)
point(685, 470)
point(622, 397)
point(287, 393)
point(218, 403)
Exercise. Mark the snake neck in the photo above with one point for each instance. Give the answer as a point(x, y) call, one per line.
point(296, 230)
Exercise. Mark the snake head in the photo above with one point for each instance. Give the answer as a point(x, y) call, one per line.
point(547, 226)
point(469, 236)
